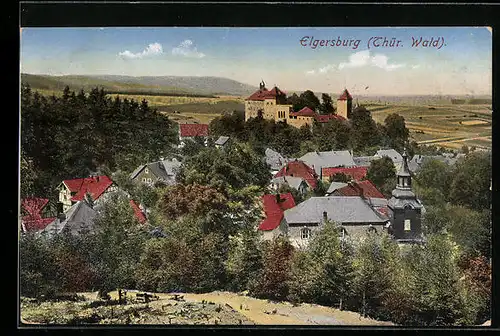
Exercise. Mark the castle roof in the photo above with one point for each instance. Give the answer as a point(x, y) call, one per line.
point(264, 93)
point(345, 95)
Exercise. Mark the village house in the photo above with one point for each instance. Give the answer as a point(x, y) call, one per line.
point(275, 160)
point(418, 160)
point(274, 205)
point(396, 158)
point(330, 159)
point(272, 105)
point(78, 219)
point(160, 171)
point(355, 173)
point(357, 188)
point(363, 161)
point(297, 183)
point(33, 218)
point(72, 191)
point(356, 215)
point(190, 131)
point(298, 168)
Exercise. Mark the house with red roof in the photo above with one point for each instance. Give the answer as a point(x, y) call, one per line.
point(356, 173)
point(299, 169)
point(274, 206)
point(358, 188)
point(33, 218)
point(190, 131)
point(72, 191)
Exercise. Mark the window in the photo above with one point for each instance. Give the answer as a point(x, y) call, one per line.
point(146, 171)
point(305, 233)
point(144, 180)
point(149, 180)
point(407, 225)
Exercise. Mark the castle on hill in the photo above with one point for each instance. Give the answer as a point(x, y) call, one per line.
point(272, 105)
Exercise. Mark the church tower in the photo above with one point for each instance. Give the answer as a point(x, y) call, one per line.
point(344, 104)
point(404, 208)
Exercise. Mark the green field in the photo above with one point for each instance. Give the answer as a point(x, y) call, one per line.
point(455, 125)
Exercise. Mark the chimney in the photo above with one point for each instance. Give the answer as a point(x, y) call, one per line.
point(325, 216)
point(97, 178)
point(62, 217)
point(278, 198)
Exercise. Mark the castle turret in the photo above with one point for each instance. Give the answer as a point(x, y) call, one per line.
point(404, 208)
point(344, 104)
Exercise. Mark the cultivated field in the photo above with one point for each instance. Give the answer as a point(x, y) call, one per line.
point(222, 308)
point(450, 126)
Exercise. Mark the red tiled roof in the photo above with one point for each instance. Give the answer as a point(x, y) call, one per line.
point(274, 211)
point(299, 169)
point(323, 118)
point(357, 173)
point(138, 212)
point(345, 95)
point(34, 206)
point(368, 188)
point(93, 185)
point(36, 224)
point(191, 130)
point(264, 93)
point(34, 221)
point(305, 112)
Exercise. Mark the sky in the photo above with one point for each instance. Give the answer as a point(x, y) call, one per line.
point(458, 60)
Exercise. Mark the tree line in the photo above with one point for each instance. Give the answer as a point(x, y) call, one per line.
point(78, 133)
point(361, 134)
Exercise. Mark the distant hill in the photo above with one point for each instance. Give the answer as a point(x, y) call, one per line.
point(165, 85)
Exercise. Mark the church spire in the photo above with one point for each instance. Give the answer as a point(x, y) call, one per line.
point(404, 175)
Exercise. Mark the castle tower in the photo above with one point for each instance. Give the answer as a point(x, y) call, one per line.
point(404, 208)
point(344, 104)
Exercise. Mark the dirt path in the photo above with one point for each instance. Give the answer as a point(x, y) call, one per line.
point(264, 312)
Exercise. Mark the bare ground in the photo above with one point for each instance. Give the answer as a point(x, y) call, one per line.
point(222, 308)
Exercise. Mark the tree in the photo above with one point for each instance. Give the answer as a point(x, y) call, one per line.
point(272, 282)
point(471, 181)
point(383, 174)
point(434, 174)
point(396, 130)
point(335, 259)
point(194, 199)
point(326, 107)
point(245, 260)
point(119, 242)
point(310, 100)
point(376, 264)
point(364, 130)
point(428, 286)
point(468, 228)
